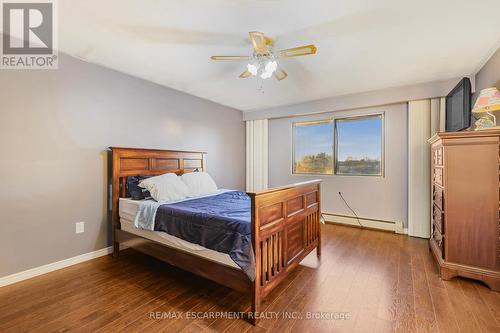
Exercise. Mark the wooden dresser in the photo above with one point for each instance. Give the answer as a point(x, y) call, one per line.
point(465, 209)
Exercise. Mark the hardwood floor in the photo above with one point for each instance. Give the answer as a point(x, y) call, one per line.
point(369, 281)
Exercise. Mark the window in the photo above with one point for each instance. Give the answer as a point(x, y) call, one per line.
point(313, 147)
point(359, 145)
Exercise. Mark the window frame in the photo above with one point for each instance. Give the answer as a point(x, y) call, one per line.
point(313, 122)
point(380, 115)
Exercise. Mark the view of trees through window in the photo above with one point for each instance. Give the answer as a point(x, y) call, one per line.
point(313, 147)
point(358, 149)
point(359, 145)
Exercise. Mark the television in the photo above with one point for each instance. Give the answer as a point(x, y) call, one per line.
point(458, 107)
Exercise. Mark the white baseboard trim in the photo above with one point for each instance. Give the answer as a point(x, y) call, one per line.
point(10, 279)
point(395, 226)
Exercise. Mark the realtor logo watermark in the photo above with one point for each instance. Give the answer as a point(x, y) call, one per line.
point(29, 36)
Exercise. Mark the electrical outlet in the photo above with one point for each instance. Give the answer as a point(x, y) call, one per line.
point(79, 227)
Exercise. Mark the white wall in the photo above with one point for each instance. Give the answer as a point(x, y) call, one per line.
point(371, 197)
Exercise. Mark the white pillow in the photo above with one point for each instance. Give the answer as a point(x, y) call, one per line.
point(166, 187)
point(199, 183)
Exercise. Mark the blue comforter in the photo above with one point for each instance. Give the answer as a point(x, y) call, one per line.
point(221, 223)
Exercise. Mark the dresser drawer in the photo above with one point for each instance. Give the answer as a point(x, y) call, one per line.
point(437, 218)
point(437, 196)
point(438, 176)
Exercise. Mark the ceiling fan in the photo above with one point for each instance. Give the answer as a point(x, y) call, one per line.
point(264, 61)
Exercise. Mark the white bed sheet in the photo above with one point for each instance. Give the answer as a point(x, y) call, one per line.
point(127, 208)
point(127, 211)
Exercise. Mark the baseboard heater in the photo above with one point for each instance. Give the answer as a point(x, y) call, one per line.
point(395, 226)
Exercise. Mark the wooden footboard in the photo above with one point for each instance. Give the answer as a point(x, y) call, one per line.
point(285, 229)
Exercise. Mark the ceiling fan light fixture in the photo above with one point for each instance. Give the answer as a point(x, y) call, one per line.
point(263, 61)
point(266, 75)
point(271, 66)
point(253, 69)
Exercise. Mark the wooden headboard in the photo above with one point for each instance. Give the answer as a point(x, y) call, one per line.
point(140, 161)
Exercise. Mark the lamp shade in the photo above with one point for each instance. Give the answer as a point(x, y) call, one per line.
point(488, 100)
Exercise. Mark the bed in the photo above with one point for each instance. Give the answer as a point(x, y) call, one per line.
point(283, 225)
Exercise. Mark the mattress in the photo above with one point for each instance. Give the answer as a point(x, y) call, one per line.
point(128, 209)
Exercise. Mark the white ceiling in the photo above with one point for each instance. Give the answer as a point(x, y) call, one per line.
point(363, 45)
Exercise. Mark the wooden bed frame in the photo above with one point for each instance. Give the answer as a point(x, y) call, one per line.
point(285, 223)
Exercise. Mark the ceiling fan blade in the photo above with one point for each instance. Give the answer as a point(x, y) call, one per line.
point(260, 42)
point(280, 74)
point(298, 51)
point(245, 74)
point(230, 57)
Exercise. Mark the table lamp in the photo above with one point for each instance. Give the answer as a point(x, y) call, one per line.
point(487, 102)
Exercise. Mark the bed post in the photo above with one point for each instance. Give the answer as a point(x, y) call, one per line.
point(115, 197)
point(256, 248)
